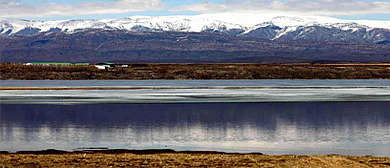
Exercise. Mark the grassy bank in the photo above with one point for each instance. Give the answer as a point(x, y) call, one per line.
point(188, 160)
point(16, 71)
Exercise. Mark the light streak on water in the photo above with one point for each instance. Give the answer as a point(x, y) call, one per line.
point(192, 95)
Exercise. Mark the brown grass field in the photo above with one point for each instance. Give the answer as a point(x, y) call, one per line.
point(189, 160)
point(180, 71)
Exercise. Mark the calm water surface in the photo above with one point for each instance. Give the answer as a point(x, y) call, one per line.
point(326, 121)
point(293, 91)
point(192, 83)
point(357, 128)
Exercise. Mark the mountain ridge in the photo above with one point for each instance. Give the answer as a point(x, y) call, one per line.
point(308, 28)
point(97, 45)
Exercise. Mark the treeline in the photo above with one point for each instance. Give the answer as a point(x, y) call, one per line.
point(16, 71)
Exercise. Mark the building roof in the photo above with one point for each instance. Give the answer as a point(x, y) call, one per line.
point(52, 63)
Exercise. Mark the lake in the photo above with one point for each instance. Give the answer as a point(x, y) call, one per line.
point(350, 117)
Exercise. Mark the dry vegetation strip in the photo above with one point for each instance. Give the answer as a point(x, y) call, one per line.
point(189, 160)
point(18, 71)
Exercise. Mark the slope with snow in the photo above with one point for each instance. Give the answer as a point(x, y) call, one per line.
point(268, 26)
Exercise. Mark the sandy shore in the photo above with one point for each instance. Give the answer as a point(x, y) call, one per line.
point(170, 158)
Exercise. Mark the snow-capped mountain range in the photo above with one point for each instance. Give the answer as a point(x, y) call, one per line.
point(270, 26)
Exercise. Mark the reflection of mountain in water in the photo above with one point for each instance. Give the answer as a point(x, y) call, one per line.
point(199, 126)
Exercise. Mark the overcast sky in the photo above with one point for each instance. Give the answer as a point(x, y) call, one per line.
point(100, 9)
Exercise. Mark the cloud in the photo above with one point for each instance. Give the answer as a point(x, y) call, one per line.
point(319, 7)
point(13, 8)
point(8, 1)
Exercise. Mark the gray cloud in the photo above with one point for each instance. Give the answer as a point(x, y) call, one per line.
point(12, 8)
point(321, 7)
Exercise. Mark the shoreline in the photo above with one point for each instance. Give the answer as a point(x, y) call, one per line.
point(192, 88)
point(171, 158)
point(118, 151)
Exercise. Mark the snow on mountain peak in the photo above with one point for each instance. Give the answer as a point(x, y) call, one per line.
point(285, 21)
point(280, 24)
point(194, 23)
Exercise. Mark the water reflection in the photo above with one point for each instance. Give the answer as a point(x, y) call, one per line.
point(358, 128)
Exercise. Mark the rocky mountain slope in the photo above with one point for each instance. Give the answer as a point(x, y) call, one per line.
point(99, 45)
point(271, 27)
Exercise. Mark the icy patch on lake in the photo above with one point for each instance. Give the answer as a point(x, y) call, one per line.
point(193, 95)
